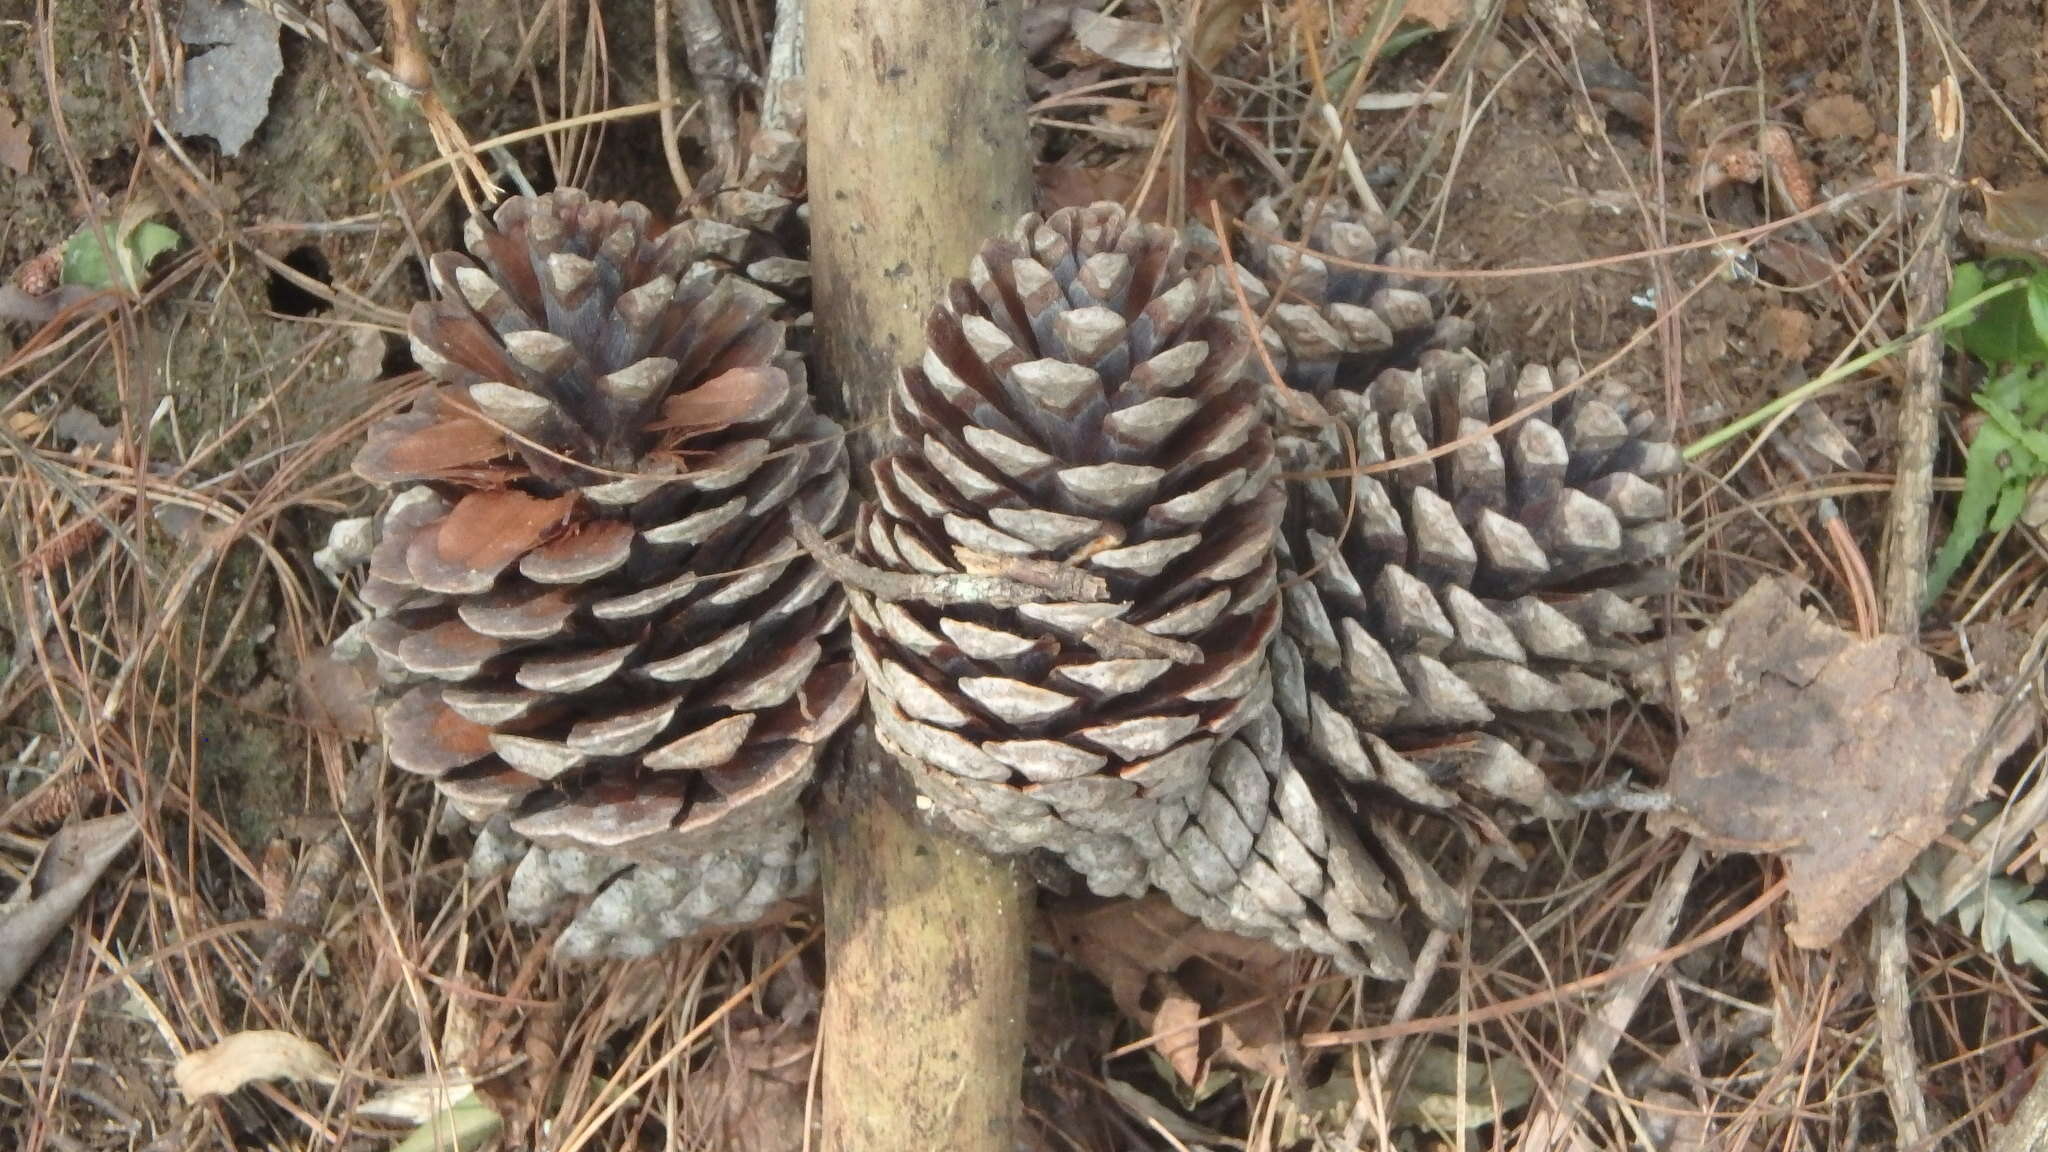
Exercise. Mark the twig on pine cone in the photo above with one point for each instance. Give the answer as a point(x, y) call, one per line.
point(1004, 585)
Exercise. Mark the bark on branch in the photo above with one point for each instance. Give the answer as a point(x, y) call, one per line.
point(916, 136)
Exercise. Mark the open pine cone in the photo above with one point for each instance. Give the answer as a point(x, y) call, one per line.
point(760, 230)
point(1080, 416)
point(1324, 320)
point(1437, 615)
point(601, 634)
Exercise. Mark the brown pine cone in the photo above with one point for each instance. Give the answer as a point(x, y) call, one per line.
point(760, 230)
point(1080, 415)
point(601, 633)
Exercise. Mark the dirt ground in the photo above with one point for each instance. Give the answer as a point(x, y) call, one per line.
point(160, 641)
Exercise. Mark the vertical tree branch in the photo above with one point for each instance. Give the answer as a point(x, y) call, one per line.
point(917, 153)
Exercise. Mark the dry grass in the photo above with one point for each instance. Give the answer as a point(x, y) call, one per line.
point(1651, 992)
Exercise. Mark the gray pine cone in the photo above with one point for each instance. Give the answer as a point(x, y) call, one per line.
point(1436, 614)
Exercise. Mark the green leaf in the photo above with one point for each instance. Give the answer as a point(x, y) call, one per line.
point(465, 1125)
point(88, 264)
point(2003, 330)
point(1983, 483)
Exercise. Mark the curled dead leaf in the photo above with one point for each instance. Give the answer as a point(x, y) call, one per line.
point(1134, 43)
point(247, 1057)
point(1169, 973)
point(70, 864)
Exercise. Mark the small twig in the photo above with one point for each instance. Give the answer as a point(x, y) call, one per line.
point(782, 90)
point(1927, 279)
point(997, 591)
point(717, 69)
point(665, 88)
point(1551, 1125)
point(1059, 579)
point(306, 901)
point(1117, 639)
point(1892, 999)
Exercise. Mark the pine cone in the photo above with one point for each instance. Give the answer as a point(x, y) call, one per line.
point(1325, 321)
point(760, 231)
point(1436, 615)
point(603, 635)
point(1080, 413)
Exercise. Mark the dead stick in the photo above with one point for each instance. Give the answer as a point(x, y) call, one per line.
point(917, 153)
point(991, 587)
point(1905, 546)
point(1551, 1126)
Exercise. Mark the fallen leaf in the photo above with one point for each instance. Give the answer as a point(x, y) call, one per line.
point(339, 695)
point(1134, 43)
point(757, 1104)
point(70, 864)
point(1175, 1031)
point(468, 1123)
point(15, 151)
point(1141, 948)
point(1845, 757)
point(136, 242)
point(248, 1057)
point(1429, 1099)
point(419, 1099)
point(1838, 116)
point(226, 91)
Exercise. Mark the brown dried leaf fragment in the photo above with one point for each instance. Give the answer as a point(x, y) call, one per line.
point(1845, 757)
point(70, 865)
point(15, 151)
point(1167, 972)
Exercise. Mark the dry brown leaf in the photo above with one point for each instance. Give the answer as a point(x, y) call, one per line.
point(736, 397)
point(757, 1105)
point(15, 152)
point(1845, 757)
point(1438, 14)
point(488, 530)
point(1142, 948)
point(2021, 210)
point(70, 864)
point(247, 1057)
point(339, 695)
point(1176, 1032)
point(1133, 43)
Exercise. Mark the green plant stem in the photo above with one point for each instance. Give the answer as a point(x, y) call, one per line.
point(1843, 371)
